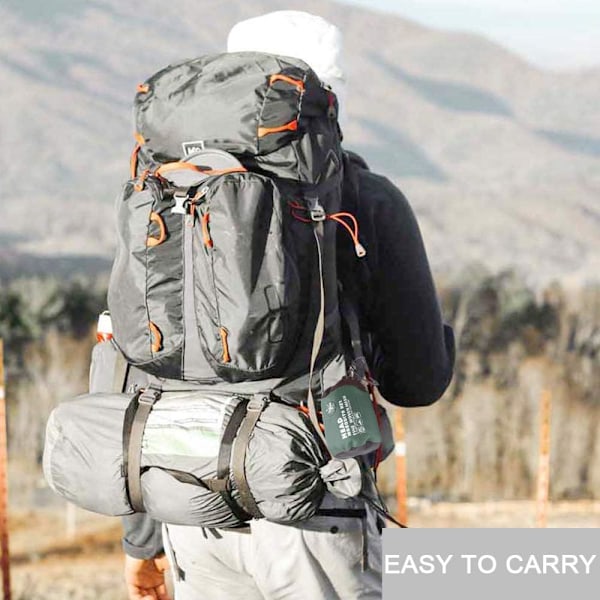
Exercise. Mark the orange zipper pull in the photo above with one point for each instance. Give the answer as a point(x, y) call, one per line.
point(205, 231)
point(223, 333)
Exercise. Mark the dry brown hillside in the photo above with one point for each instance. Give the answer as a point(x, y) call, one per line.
point(500, 160)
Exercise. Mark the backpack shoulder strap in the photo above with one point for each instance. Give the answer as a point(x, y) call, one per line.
point(350, 318)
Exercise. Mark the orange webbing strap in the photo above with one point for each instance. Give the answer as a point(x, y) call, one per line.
point(291, 126)
point(176, 166)
point(225, 171)
point(157, 337)
point(133, 161)
point(224, 333)
point(186, 166)
point(152, 242)
point(281, 77)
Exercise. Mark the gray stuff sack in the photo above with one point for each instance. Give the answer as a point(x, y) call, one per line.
point(181, 447)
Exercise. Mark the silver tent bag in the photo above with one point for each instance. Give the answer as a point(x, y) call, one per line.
point(186, 466)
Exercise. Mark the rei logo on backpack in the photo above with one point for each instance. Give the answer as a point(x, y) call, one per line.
point(217, 274)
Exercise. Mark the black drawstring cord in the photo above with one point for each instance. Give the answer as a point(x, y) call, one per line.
point(382, 511)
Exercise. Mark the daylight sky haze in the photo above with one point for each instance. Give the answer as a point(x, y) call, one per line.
point(553, 34)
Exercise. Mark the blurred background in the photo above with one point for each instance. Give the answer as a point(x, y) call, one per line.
point(486, 114)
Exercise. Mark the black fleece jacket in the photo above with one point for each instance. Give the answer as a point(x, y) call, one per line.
point(411, 351)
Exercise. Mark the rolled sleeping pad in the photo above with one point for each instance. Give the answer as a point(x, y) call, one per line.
point(84, 459)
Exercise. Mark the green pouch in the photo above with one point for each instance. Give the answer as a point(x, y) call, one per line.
point(351, 426)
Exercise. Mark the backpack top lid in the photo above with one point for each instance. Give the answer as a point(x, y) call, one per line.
point(265, 109)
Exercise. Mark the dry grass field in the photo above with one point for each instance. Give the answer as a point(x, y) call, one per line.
point(48, 565)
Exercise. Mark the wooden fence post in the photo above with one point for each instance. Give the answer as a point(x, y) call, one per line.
point(401, 480)
point(543, 482)
point(4, 556)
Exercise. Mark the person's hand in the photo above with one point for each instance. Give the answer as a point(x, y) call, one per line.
point(145, 578)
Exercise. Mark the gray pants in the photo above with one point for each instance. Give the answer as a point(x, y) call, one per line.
point(322, 560)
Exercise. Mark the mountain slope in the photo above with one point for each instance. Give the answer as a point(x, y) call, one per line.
point(500, 160)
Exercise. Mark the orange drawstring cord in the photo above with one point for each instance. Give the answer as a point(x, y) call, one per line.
point(338, 218)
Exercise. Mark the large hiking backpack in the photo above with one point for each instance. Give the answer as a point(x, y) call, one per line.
point(224, 237)
point(224, 292)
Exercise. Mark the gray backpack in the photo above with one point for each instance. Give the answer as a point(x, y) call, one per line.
point(223, 292)
point(226, 264)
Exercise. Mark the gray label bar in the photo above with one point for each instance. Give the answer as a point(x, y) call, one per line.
point(490, 564)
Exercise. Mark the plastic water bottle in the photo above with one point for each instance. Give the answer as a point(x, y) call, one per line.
point(104, 331)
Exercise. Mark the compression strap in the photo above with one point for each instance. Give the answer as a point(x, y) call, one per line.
point(224, 459)
point(135, 422)
point(318, 231)
point(238, 457)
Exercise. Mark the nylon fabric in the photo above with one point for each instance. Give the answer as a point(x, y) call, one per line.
point(127, 287)
point(102, 367)
point(250, 278)
point(247, 281)
point(183, 105)
point(84, 458)
point(318, 335)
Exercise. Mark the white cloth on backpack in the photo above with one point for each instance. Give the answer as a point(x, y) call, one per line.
point(300, 35)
